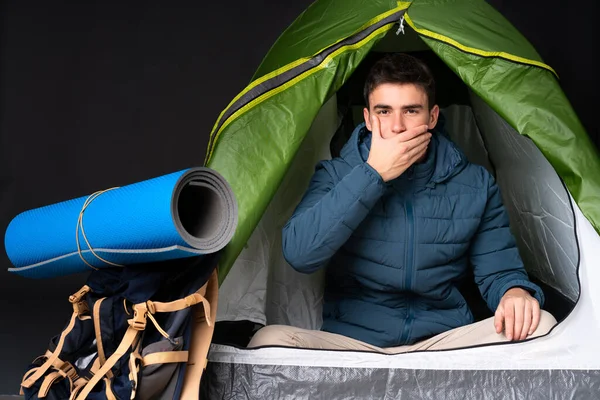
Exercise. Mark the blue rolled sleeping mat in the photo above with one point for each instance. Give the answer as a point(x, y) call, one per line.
point(183, 214)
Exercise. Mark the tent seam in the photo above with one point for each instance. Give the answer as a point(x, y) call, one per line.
point(265, 96)
point(475, 51)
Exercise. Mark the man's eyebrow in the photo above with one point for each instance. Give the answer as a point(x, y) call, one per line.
point(412, 106)
point(382, 106)
point(415, 106)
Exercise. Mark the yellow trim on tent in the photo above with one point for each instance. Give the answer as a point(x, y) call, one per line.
point(472, 50)
point(402, 5)
point(297, 79)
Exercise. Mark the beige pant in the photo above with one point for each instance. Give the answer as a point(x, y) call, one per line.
point(479, 333)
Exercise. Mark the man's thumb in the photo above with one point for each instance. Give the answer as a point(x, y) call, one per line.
point(498, 319)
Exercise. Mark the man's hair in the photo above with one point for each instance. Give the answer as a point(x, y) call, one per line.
point(400, 68)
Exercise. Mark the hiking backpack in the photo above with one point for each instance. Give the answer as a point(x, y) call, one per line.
point(137, 332)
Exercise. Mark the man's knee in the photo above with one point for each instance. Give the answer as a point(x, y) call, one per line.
point(272, 335)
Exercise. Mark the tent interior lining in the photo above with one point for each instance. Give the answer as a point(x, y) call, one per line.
point(262, 288)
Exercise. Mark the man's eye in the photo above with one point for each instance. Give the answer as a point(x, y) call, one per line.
point(411, 111)
point(383, 112)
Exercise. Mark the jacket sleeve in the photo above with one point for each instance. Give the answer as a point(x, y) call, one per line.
point(497, 265)
point(328, 214)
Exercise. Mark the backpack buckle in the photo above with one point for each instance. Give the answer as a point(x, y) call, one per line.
point(138, 322)
point(77, 296)
point(68, 370)
point(80, 306)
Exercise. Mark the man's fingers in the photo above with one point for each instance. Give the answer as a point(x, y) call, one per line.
point(509, 321)
point(375, 126)
point(519, 308)
point(412, 133)
point(416, 143)
point(499, 319)
point(535, 311)
point(425, 137)
point(527, 317)
point(417, 152)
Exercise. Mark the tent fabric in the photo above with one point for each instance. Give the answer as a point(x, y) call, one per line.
point(226, 381)
point(443, 21)
point(324, 22)
point(182, 214)
point(538, 205)
point(264, 86)
point(293, 298)
point(321, 25)
point(531, 101)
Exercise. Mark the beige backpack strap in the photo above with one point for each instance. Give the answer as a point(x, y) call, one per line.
point(98, 332)
point(110, 395)
point(202, 332)
point(62, 370)
point(77, 388)
point(48, 381)
point(136, 325)
point(79, 310)
point(176, 305)
point(134, 367)
point(165, 357)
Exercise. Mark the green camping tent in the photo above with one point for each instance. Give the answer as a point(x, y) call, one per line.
point(505, 109)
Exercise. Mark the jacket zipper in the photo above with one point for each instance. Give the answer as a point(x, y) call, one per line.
point(408, 270)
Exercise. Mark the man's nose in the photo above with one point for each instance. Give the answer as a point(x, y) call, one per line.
point(398, 124)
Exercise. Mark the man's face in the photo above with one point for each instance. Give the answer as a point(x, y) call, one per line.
point(400, 107)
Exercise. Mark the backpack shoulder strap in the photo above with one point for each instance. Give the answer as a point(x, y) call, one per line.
point(136, 325)
point(81, 311)
point(202, 333)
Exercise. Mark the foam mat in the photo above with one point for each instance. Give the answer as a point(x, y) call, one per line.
point(186, 213)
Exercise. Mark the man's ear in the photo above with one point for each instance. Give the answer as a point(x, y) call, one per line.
point(433, 117)
point(367, 118)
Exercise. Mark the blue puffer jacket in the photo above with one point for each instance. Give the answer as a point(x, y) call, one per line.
point(396, 251)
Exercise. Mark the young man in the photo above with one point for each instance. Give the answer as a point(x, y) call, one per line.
point(397, 221)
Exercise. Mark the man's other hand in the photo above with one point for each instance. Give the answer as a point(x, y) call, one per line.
point(518, 313)
point(391, 157)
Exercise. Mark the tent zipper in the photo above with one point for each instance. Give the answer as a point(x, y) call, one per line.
point(260, 87)
point(409, 267)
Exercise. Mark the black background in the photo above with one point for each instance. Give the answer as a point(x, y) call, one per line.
point(96, 95)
